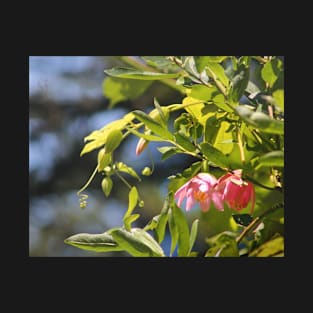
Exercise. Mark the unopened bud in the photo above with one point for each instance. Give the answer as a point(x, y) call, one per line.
point(141, 145)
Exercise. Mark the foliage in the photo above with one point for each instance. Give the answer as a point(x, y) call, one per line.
point(231, 117)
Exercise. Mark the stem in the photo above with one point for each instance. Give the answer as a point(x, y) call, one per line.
point(257, 220)
point(168, 82)
point(218, 84)
point(89, 181)
point(242, 153)
point(123, 180)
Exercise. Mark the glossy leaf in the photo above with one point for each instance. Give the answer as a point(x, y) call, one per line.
point(137, 242)
point(123, 72)
point(214, 155)
point(152, 124)
point(273, 158)
point(224, 139)
point(93, 242)
point(193, 234)
point(161, 62)
point(217, 59)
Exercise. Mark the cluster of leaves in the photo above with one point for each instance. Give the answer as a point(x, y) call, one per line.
point(231, 116)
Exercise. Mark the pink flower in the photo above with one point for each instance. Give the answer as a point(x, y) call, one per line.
point(200, 188)
point(236, 192)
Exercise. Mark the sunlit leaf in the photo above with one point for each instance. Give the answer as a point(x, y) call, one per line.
point(118, 90)
point(93, 242)
point(145, 136)
point(114, 139)
point(123, 72)
point(137, 242)
point(157, 128)
point(122, 167)
point(279, 98)
point(201, 62)
point(129, 220)
point(132, 201)
point(271, 70)
point(272, 248)
point(219, 72)
point(104, 159)
point(224, 140)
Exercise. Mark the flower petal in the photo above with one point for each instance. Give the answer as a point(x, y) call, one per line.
point(190, 202)
point(205, 204)
point(217, 198)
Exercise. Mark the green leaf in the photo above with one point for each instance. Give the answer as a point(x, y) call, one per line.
point(107, 185)
point(145, 136)
point(104, 159)
point(271, 71)
point(129, 220)
point(217, 59)
point(219, 72)
point(123, 72)
point(214, 155)
point(157, 128)
point(273, 158)
point(99, 137)
point(201, 62)
point(161, 62)
point(279, 98)
point(224, 139)
point(137, 242)
point(161, 226)
point(168, 151)
point(173, 231)
point(272, 248)
point(118, 90)
point(239, 83)
point(242, 219)
point(114, 139)
point(160, 111)
point(93, 242)
point(183, 231)
point(193, 234)
point(223, 245)
point(122, 167)
point(261, 120)
point(184, 142)
point(132, 201)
